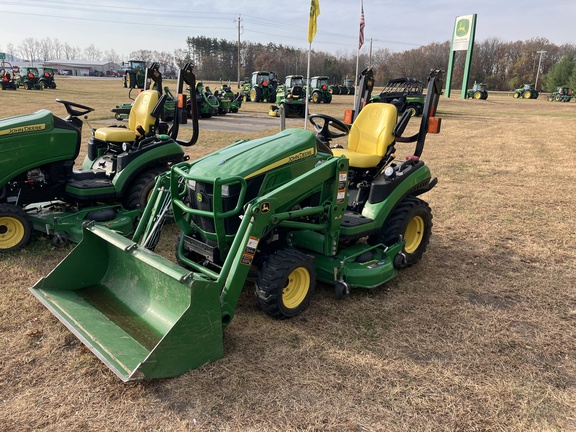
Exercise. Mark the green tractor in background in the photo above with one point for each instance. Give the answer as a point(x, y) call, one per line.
point(335, 89)
point(153, 81)
point(263, 86)
point(291, 97)
point(207, 104)
point(528, 91)
point(41, 187)
point(134, 74)
point(348, 87)
point(562, 94)
point(47, 78)
point(318, 90)
point(406, 94)
point(29, 78)
point(478, 91)
point(286, 209)
point(234, 99)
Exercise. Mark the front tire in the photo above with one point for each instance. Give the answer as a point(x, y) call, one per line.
point(15, 228)
point(285, 283)
point(412, 221)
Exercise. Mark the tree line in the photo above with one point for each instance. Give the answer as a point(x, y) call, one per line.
point(499, 64)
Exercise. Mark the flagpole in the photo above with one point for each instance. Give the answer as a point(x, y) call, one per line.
point(360, 43)
point(312, 26)
point(307, 87)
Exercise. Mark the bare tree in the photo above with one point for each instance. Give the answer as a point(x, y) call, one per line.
point(45, 49)
point(57, 49)
point(92, 53)
point(112, 56)
point(10, 51)
point(27, 49)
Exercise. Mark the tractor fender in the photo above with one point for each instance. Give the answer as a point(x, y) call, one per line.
point(383, 200)
point(161, 155)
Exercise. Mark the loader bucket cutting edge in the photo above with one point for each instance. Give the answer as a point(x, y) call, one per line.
point(139, 313)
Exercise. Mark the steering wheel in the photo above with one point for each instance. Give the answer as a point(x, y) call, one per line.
point(324, 130)
point(70, 108)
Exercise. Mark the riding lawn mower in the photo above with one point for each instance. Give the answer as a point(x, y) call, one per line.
point(41, 189)
point(288, 210)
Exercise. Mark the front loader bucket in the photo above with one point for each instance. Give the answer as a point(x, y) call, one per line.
point(142, 315)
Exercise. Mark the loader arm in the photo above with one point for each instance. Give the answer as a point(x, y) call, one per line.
point(147, 317)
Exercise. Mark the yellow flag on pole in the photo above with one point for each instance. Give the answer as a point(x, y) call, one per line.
point(314, 12)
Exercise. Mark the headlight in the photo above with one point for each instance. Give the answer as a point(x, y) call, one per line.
point(225, 190)
point(389, 172)
point(192, 184)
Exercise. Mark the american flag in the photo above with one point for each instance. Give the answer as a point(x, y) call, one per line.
point(362, 24)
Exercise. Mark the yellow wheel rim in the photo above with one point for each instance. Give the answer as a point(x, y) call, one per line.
point(477, 95)
point(527, 95)
point(11, 232)
point(414, 234)
point(296, 288)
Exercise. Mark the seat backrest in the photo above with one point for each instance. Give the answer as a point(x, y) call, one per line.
point(140, 114)
point(372, 131)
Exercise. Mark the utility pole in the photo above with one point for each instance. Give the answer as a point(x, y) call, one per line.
point(239, 21)
point(538, 71)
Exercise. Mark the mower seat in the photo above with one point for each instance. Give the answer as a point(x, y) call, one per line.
point(370, 135)
point(140, 115)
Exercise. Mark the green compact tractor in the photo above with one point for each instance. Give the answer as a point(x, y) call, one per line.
point(134, 74)
point(478, 91)
point(528, 91)
point(207, 104)
point(7, 78)
point(46, 80)
point(40, 189)
point(562, 94)
point(234, 99)
point(291, 97)
point(263, 86)
point(318, 90)
point(29, 78)
point(287, 210)
point(406, 94)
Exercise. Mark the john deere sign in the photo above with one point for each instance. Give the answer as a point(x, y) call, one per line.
point(2, 56)
point(462, 40)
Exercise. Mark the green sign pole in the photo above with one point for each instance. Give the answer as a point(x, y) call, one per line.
point(462, 40)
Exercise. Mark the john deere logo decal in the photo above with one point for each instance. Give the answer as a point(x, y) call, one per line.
point(463, 27)
point(199, 197)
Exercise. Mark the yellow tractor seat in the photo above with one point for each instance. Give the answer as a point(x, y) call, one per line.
point(140, 115)
point(370, 135)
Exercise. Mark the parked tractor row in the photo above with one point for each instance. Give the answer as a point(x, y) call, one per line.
point(27, 77)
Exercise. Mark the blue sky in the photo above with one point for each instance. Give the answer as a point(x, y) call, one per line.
point(126, 26)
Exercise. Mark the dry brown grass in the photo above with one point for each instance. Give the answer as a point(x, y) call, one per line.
point(479, 336)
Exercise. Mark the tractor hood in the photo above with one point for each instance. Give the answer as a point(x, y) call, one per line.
point(32, 140)
point(248, 159)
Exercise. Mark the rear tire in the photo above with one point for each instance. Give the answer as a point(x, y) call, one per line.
point(141, 188)
point(15, 228)
point(285, 283)
point(412, 220)
point(527, 94)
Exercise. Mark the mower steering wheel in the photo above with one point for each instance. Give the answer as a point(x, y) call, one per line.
point(324, 131)
point(82, 109)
